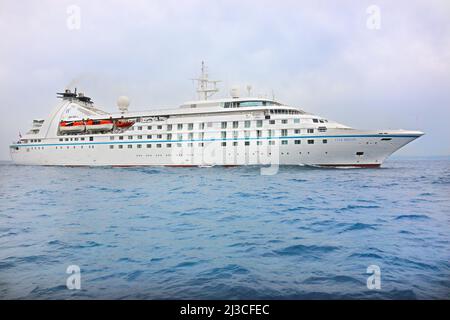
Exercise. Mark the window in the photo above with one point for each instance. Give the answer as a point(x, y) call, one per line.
point(130, 137)
point(235, 143)
point(139, 137)
point(224, 144)
point(149, 136)
point(283, 132)
point(297, 141)
point(190, 136)
point(120, 146)
point(284, 142)
point(91, 138)
point(315, 120)
point(149, 145)
point(190, 126)
point(310, 130)
point(202, 135)
point(139, 146)
point(235, 134)
point(159, 127)
point(158, 145)
point(130, 146)
point(149, 127)
point(169, 127)
point(271, 142)
point(247, 143)
point(180, 126)
point(111, 147)
point(297, 131)
point(82, 139)
point(111, 138)
point(201, 125)
point(159, 136)
point(235, 124)
point(310, 141)
point(180, 136)
point(200, 144)
point(139, 128)
point(271, 121)
point(169, 136)
point(61, 139)
point(247, 123)
point(247, 134)
point(360, 153)
point(284, 121)
point(223, 135)
point(224, 125)
point(324, 141)
point(271, 133)
point(259, 123)
point(296, 120)
point(258, 133)
point(120, 137)
point(258, 143)
point(169, 145)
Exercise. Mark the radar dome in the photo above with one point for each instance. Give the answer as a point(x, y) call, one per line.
point(123, 102)
point(234, 92)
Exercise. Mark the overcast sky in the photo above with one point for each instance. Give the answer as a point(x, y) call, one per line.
point(319, 55)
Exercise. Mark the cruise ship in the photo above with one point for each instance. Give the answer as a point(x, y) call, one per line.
point(207, 132)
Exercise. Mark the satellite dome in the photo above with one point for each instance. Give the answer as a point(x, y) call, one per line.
point(123, 102)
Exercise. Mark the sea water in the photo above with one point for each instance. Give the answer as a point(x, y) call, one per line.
point(226, 233)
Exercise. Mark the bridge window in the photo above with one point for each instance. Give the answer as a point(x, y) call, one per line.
point(315, 120)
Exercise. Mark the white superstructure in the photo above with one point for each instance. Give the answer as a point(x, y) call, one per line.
point(233, 131)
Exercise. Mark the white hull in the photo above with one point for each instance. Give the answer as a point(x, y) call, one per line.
point(338, 151)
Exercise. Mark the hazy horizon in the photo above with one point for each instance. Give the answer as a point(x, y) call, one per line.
point(321, 56)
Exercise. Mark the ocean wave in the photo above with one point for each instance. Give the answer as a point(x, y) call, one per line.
point(412, 217)
point(298, 250)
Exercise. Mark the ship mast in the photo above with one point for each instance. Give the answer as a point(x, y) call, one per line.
point(204, 90)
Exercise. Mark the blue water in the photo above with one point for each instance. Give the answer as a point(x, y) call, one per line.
point(158, 233)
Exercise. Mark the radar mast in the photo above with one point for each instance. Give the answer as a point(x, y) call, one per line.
point(204, 90)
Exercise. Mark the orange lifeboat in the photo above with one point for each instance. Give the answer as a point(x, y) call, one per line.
point(71, 126)
point(123, 123)
point(98, 125)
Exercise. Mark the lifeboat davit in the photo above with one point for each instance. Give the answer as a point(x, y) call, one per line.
point(98, 125)
point(122, 123)
point(71, 126)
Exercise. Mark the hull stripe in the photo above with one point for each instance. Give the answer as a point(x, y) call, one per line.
point(112, 142)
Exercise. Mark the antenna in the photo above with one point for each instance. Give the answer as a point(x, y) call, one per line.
point(249, 89)
point(203, 89)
